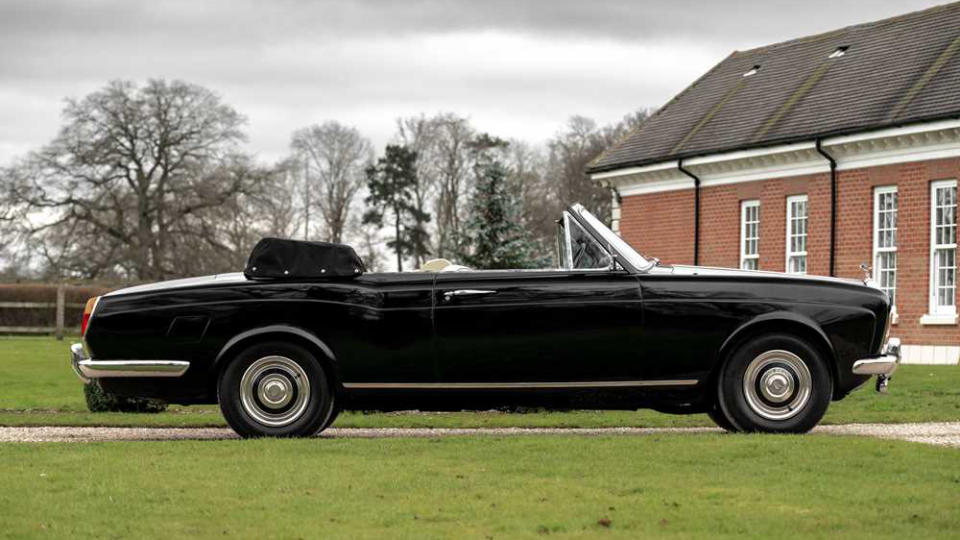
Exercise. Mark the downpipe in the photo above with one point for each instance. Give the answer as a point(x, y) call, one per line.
point(696, 211)
point(833, 204)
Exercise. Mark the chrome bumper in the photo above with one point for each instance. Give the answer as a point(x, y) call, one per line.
point(77, 355)
point(87, 368)
point(882, 366)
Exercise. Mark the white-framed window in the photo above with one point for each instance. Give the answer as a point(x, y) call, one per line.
point(796, 234)
point(885, 204)
point(750, 235)
point(943, 248)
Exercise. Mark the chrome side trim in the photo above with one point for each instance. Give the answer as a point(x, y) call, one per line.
point(96, 369)
point(516, 385)
point(87, 368)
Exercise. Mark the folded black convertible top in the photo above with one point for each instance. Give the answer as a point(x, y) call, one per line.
point(278, 258)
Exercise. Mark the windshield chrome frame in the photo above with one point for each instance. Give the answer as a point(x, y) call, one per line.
point(567, 251)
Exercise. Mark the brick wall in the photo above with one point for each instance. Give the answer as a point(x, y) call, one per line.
point(661, 225)
point(855, 222)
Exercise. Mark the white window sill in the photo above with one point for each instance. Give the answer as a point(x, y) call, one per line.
point(894, 317)
point(933, 320)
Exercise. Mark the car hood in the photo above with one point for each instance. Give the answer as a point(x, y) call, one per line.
point(734, 272)
point(216, 279)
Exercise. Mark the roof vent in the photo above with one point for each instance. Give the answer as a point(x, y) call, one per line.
point(839, 52)
point(752, 71)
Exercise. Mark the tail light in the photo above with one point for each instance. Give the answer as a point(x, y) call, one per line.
point(87, 313)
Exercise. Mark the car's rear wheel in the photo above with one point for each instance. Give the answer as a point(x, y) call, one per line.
point(777, 383)
point(276, 389)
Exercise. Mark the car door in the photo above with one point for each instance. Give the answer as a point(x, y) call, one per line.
point(537, 326)
point(577, 324)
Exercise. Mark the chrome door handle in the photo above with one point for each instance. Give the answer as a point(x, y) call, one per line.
point(449, 295)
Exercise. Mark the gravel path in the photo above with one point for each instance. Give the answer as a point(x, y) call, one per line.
point(938, 433)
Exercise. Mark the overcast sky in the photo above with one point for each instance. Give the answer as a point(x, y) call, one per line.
point(516, 68)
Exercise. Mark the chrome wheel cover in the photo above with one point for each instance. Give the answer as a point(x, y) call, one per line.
point(777, 385)
point(274, 391)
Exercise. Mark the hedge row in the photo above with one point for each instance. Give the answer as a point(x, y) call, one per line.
point(41, 292)
point(100, 401)
point(44, 292)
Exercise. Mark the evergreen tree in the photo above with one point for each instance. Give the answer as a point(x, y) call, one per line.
point(391, 183)
point(494, 235)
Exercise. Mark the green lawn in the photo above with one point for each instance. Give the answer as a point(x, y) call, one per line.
point(680, 486)
point(37, 387)
point(671, 485)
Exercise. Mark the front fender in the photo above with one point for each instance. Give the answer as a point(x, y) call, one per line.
point(784, 320)
point(781, 321)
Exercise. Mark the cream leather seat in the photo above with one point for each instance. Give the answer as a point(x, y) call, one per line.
point(442, 265)
point(435, 265)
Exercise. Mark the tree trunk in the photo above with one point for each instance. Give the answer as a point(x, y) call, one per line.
point(398, 245)
point(143, 241)
point(306, 202)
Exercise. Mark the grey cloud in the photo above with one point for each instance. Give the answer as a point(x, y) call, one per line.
point(286, 63)
point(191, 22)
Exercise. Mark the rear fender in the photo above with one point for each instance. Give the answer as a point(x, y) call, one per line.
point(281, 332)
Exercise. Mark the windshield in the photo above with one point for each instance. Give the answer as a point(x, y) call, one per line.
point(613, 240)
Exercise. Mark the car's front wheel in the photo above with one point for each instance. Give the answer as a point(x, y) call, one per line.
point(777, 383)
point(275, 389)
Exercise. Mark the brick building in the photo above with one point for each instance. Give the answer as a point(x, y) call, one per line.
point(813, 156)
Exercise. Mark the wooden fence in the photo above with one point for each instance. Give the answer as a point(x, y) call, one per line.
point(58, 329)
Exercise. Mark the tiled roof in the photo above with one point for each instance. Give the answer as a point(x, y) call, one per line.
point(893, 72)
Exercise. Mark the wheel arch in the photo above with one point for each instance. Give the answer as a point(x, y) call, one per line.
point(781, 321)
point(292, 334)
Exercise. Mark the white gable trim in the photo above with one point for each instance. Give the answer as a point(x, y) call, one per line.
point(654, 178)
point(921, 142)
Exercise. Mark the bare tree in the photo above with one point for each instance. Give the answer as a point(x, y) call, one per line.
point(7, 209)
point(571, 151)
point(335, 157)
point(130, 167)
point(539, 204)
point(223, 237)
point(451, 159)
point(13, 255)
point(279, 205)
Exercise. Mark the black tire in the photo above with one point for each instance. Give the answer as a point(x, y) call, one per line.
point(332, 417)
point(282, 371)
point(776, 383)
point(716, 414)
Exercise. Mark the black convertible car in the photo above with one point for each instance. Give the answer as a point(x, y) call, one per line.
point(303, 332)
